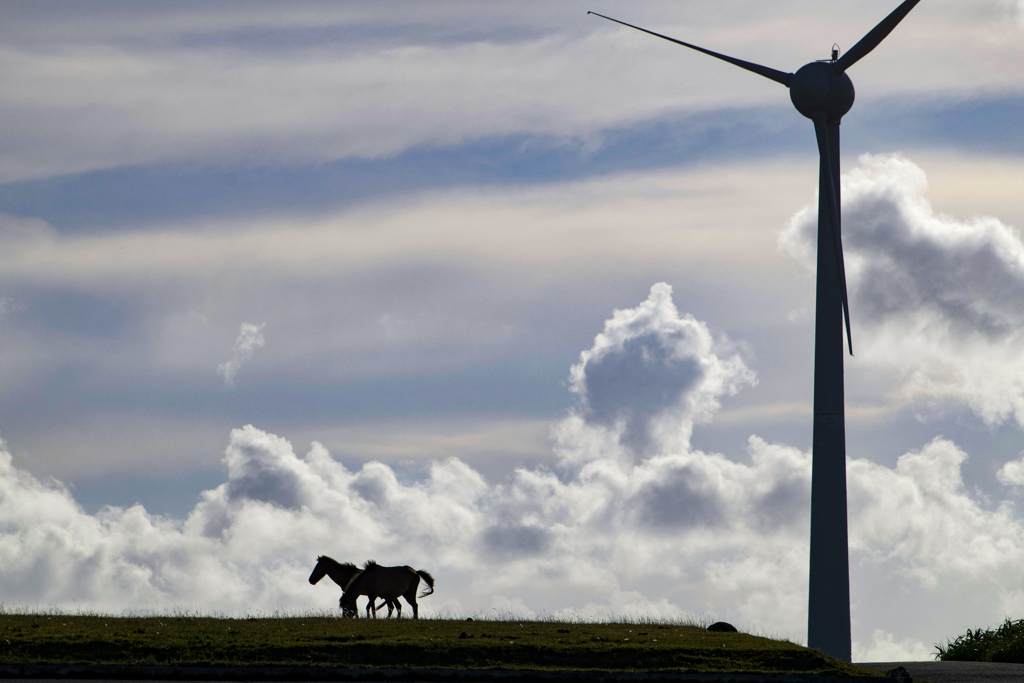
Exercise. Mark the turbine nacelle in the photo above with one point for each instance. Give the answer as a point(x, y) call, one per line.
point(820, 87)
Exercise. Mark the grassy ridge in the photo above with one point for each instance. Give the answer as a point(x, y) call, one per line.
point(426, 643)
point(1002, 644)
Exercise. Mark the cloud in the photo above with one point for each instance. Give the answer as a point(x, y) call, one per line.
point(921, 516)
point(17, 232)
point(249, 337)
point(264, 85)
point(505, 542)
point(1012, 473)
point(663, 533)
point(885, 647)
point(539, 224)
point(319, 103)
point(934, 299)
point(652, 374)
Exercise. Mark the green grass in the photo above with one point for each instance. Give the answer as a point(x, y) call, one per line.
point(1003, 644)
point(319, 640)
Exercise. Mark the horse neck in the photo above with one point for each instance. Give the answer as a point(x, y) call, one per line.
point(341, 575)
point(356, 584)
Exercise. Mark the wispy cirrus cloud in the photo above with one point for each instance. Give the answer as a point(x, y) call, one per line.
point(82, 97)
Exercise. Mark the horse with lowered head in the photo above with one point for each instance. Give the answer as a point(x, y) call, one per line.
point(375, 581)
point(342, 573)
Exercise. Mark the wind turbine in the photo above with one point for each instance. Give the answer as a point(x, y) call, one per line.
point(823, 92)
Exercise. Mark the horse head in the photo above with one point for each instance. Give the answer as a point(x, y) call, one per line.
point(347, 603)
point(319, 570)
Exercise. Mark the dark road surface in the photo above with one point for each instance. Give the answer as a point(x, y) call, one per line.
point(955, 672)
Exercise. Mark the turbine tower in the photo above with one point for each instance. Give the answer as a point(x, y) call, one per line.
point(823, 92)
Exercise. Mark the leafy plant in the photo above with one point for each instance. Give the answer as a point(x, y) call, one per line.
point(1003, 644)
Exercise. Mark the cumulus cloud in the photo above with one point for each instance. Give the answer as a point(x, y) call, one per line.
point(665, 532)
point(1012, 473)
point(249, 337)
point(883, 646)
point(652, 374)
point(921, 516)
point(934, 299)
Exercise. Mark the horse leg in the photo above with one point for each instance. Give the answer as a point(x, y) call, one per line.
point(410, 598)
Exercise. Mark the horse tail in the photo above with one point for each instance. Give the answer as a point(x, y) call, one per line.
point(429, 580)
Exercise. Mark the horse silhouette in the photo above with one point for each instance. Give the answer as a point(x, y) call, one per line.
point(389, 583)
point(342, 574)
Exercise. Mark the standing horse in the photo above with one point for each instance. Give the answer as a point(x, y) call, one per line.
point(388, 583)
point(342, 574)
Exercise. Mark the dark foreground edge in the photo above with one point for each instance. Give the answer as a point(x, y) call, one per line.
point(955, 672)
point(295, 673)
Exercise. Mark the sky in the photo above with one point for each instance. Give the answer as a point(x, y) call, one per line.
point(511, 294)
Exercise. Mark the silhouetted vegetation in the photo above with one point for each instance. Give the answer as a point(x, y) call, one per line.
point(1003, 644)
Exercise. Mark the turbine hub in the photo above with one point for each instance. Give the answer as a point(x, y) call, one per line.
point(821, 87)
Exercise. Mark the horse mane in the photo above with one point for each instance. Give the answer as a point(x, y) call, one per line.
point(357, 577)
point(331, 560)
